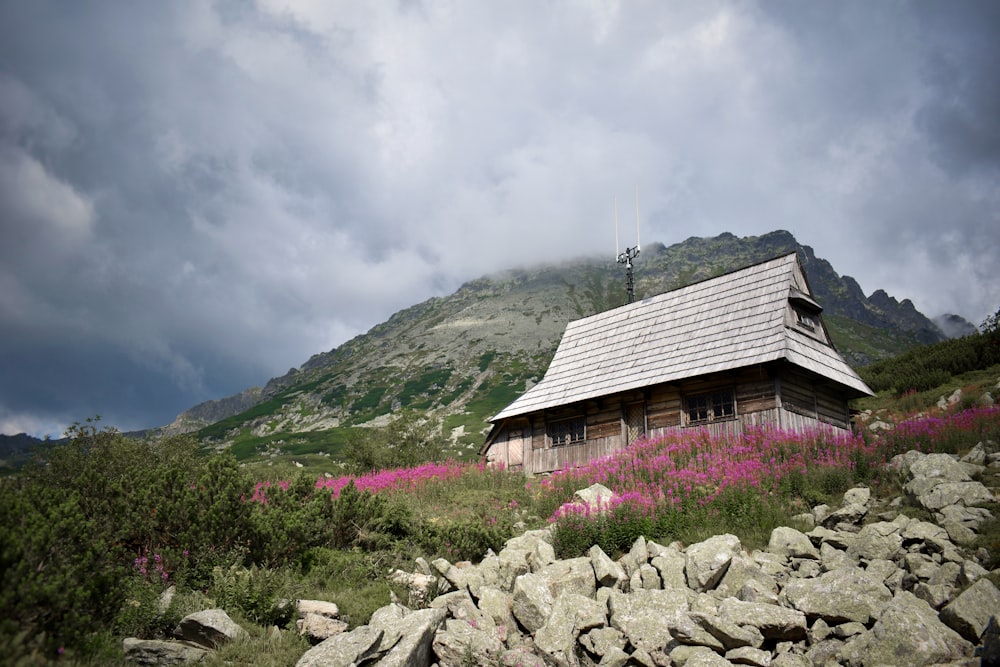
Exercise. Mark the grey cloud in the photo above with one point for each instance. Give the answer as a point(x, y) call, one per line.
point(195, 197)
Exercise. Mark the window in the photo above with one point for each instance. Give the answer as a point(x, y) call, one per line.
point(713, 407)
point(806, 320)
point(568, 431)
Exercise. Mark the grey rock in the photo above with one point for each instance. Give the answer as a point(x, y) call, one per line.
point(646, 577)
point(532, 601)
point(971, 611)
point(958, 533)
point(825, 652)
point(955, 493)
point(859, 495)
point(596, 496)
point(607, 572)
point(773, 621)
point(614, 657)
point(907, 633)
point(743, 570)
point(317, 628)
point(571, 615)
point(521, 657)
point(459, 643)
point(707, 561)
point(416, 632)
point(847, 594)
point(920, 565)
point(846, 518)
point(700, 656)
point(574, 575)
point(645, 617)
point(601, 641)
point(211, 628)
point(161, 652)
point(792, 543)
point(938, 466)
point(977, 455)
point(748, 655)
point(832, 558)
point(497, 605)
point(670, 565)
point(790, 660)
point(318, 607)
point(349, 648)
point(876, 540)
point(936, 595)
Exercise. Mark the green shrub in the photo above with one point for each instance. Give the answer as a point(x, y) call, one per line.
point(262, 595)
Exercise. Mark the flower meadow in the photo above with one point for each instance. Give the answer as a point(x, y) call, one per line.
point(97, 528)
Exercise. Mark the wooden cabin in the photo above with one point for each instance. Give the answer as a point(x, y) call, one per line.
point(745, 348)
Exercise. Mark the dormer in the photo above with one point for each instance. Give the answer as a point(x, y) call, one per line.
point(804, 313)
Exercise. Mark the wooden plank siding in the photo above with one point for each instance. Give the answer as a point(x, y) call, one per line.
point(775, 396)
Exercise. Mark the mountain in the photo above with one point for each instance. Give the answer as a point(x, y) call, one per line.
point(459, 359)
point(955, 326)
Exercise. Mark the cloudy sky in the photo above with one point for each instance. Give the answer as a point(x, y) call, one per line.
point(197, 196)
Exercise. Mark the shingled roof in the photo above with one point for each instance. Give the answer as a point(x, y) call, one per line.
point(720, 324)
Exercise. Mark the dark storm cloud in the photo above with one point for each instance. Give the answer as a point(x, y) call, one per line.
point(196, 196)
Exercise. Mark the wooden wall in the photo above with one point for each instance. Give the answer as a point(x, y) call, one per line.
point(768, 396)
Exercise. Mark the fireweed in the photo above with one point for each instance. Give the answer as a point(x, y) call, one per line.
point(682, 480)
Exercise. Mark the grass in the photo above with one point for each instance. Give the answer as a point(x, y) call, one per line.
point(685, 487)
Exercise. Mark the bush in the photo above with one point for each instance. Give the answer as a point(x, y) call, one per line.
point(262, 595)
point(87, 513)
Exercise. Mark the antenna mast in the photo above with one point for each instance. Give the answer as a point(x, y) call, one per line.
point(630, 253)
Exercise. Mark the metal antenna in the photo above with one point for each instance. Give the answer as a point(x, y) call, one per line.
point(630, 253)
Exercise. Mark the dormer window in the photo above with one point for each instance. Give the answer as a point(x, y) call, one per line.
point(806, 310)
point(806, 320)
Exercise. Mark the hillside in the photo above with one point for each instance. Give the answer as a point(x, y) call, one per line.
point(458, 359)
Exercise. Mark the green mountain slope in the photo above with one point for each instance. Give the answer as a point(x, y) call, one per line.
point(459, 359)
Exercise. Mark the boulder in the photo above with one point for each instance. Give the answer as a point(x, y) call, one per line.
point(416, 635)
point(458, 643)
point(973, 609)
point(706, 562)
point(349, 648)
point(670, 565)
point(317, 628)
point(876, 540)
point(955, 493)
point(595, 496)
point(792, 543)
point(859, 495)
point(773, 621)
point(645, 617)
point(532, 601)
point(161, 652)
point(210, 628)
point(938, 466)
point(838, 596)
point(574, 575)
point(907, 633)
point(571, 615)
point(606, 571)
